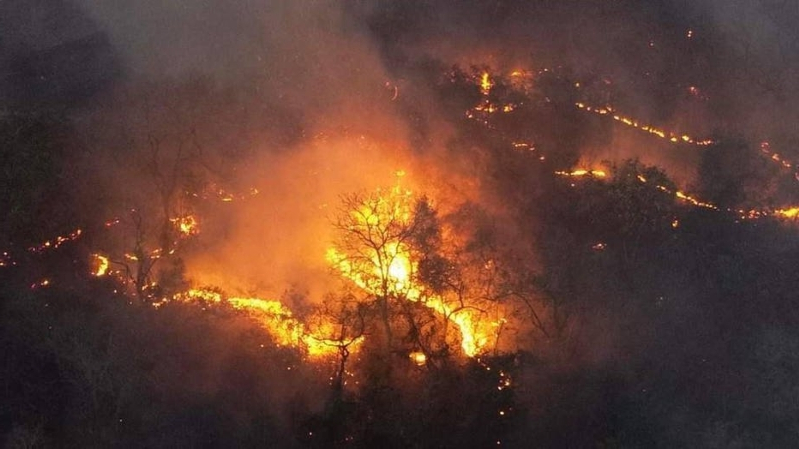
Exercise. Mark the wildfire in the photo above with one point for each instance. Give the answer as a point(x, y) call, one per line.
point(583, 172)
point(784, 213)
point(41, 283)
point(274, 316)
point(186, 225)
point(633, 123)
point(56, 242)
point(391, 270)
point(100, 264)
point(792, 212)
point(765, 148)
point(418, 357)
point(485, 83)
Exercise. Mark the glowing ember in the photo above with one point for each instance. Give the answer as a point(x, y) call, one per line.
point(42, 283)
point(5, 259)
point(792, 212)
point(633, 123)
point(418, 357)
point(485, 83)
point(100, 265)
point(583, 172)
point(786, 213)
point(56, 242)
point(186, 225)
point(765, 148)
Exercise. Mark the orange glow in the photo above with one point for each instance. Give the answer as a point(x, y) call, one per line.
point(792, 212)
point(56, 242)
point(691, 199)
point(186, 225)
point(418, 357)
point(392, 268)
point(485, 83)
point(786, 213)
point(765, 148)
point(100, 265)
point(583, 172)
point(274, 316)
point(633, 123)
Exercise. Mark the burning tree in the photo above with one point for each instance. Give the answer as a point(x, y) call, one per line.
point(374, 234)
point(391, 246)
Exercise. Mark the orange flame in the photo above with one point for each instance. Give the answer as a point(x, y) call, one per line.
point(100, 264)
point(485, 83)
point(399, 271)
point(275, 318)
point(418, 357)
point(186, 225)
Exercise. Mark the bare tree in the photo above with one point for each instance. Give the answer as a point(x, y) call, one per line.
point(374, 233)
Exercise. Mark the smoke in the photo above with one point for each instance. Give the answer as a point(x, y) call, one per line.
point(313, 99)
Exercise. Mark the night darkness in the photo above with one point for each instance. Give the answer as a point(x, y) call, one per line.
point(399, 224)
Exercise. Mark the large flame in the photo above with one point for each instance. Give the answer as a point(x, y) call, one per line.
point(393, 264)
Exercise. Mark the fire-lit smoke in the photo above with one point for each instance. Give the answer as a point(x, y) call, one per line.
point(278, 239)
point(385, 266)
point(246, 148)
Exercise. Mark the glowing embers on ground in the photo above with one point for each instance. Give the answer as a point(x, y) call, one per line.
point(583, 172)
point(791, 212)
point(57, 241)
point(634, 123)
point(7, 259)
point(274, 316)
point(765, 148)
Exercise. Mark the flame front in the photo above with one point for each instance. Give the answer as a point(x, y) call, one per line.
point(274, 316)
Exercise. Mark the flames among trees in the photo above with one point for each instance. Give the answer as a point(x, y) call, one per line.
point(519, 292)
